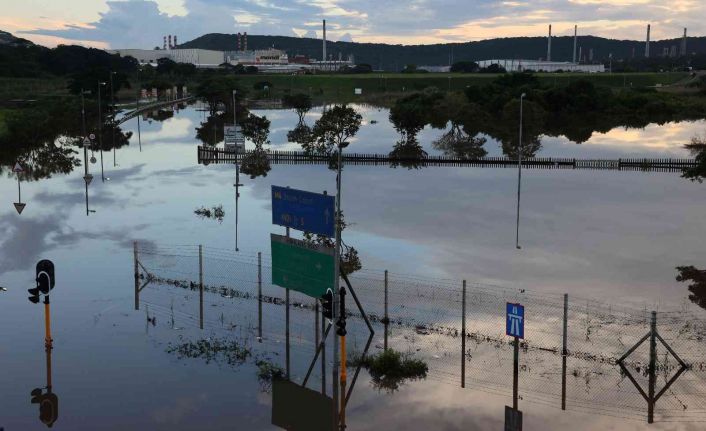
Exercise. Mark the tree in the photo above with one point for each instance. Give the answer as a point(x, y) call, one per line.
point(333, 130)
point(410, 114)
point(697, 277)
point(218, 89)
point(465, 67)
point(257, 129)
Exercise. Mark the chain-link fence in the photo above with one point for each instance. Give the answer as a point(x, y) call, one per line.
point(571, 356)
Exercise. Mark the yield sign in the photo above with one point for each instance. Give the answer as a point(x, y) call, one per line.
point(19, 206)
point(18, 168)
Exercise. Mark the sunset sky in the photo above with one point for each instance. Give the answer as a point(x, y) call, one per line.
point(142, 23)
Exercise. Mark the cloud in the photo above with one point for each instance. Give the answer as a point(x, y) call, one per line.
point(142, 23)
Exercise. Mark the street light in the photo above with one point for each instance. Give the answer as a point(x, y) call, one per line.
point(519, 176)
point(100, 128)
point(112, 110)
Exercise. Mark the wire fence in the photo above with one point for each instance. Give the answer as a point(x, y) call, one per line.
point(423, 318)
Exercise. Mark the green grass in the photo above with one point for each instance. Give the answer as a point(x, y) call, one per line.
point(342, 86)
point(31, 88)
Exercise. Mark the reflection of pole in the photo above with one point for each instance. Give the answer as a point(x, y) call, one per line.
point(48, 356)
point(200, 286)
point(47, 324)
point(652, 369)
point(343, 381)
point(259, 295)
point(519, 176)
point(137, 106)
point(100, 129)
point(463, 336)
point(564, 352)
point(237, 196)
point(515, 371)
point(19, 190)
point(112, 110)
point(287, 330)
point(387, 319)
point(336, 286)
point(323, 357)
point(137, 276)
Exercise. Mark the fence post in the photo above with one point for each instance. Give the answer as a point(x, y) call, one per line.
point(652, 370)
point(463, 337)
point(259, 295)
point(137, 277)
point(564, 352)
point(386, 320)
point(200, 286)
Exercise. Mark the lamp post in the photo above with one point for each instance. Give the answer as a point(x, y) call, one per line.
point(519, 176)
point(237, 172)
point(112, 111)
point(137, 107)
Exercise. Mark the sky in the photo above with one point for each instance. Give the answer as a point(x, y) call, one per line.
point(143, 23)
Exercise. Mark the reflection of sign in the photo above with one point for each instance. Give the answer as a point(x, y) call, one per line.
point(513, 419)
point(18, 168)
point(302, 210)
point(19, 206)
point(303, 267)
point(358, 91)
point(296, 408)
point(515, 320)
point(233, 138)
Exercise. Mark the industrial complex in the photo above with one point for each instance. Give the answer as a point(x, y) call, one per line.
point(274, 60)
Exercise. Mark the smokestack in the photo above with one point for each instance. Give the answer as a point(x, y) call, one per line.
point(164, 45)
point(580, 53)
point(170, 42)
point(647, 43)
point(324, 52)
point(590, 55)
point(239, 44)
point(683, 44)
point(175, 41)
point(549, 44)
point(245, 41)
point(576, 32)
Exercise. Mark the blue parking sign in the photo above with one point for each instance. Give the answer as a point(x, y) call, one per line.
point(515, 320)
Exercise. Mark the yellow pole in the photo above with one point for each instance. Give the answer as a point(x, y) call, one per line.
point(343, 382)
point(47, 324)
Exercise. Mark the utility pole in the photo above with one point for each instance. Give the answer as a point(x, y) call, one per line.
point(519, 176)
point(100, 128)
point(112, 111)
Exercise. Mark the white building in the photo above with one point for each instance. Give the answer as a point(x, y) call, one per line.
point(197, 57)
point(543, 66)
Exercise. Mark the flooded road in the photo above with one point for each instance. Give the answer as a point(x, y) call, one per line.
point(613, 236)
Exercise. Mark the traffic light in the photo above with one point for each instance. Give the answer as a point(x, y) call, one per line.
point(34, 299)
point(327, 304)
point(48, 406)
point(45, 276)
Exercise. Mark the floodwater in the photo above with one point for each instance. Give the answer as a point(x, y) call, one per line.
point(615, 236)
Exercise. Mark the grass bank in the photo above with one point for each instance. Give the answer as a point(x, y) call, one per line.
point(31, 88)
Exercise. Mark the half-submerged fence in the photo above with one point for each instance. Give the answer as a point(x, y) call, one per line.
point(208, 155)
point(578, 354)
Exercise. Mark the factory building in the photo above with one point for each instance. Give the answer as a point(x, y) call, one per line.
point(542, 66)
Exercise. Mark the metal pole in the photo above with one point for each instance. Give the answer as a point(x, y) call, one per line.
point(19, 190)
point(100, 129)
point(259, 295)
point(515, 371)
point(137, 276)
point(564, 352)
point(237, 196)
point(387, 319)
point(137, 106)
point(200, 286)
point(112, 111)
point(336, 287)
point(652, 369)
point(323, 356)
point(519, 176)
point(47, 324)
point(463, 336)
point(287, 331)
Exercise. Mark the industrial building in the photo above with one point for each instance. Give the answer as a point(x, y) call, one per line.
point(542, 66)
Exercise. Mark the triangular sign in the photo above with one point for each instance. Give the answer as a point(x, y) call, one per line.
point(19, 206)
point(18, 168)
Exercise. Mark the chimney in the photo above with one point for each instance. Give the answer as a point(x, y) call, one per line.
point(647, 43)
point(175, 41)
point(590, 55)
point(576, 32)
point(245, 41)
point(170, 42)
point(164, 45)
point(549, 44)
point(683, 44)
point(580, 53)
point(238, 39)
point(323, 56)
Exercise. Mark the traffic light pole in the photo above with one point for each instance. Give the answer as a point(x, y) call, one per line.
point(47, 324)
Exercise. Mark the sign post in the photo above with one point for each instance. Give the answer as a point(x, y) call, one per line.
point(514, 327)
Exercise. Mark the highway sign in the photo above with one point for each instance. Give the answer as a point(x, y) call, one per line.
point(304, 211)
point(306, 268)
point(515, 320)
point(19, 206)
point(18, 168)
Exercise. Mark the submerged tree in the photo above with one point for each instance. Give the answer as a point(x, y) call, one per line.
point(332, 132)
point(300, 102)
point(256, 163)
point(464, 120)
point(697, 277)
point(697, 147)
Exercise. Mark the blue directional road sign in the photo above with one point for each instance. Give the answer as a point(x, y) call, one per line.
point(515, 320)
point(304, 211)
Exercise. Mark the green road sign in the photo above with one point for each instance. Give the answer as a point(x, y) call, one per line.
point(302, 267)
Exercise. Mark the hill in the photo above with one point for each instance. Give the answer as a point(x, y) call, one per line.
point(394, 57)
point(7, 39)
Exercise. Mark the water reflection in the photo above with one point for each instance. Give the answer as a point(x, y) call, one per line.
point(697, 279)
